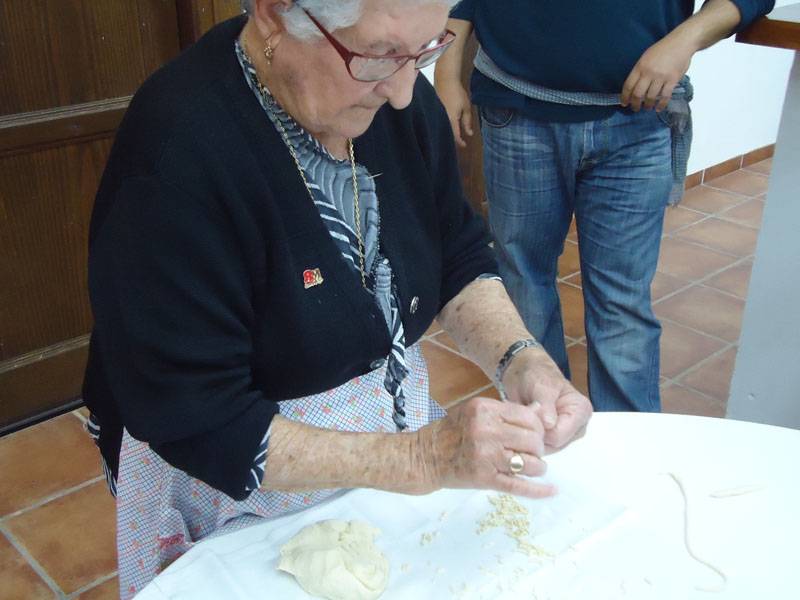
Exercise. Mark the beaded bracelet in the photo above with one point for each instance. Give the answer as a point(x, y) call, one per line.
point(512, 351)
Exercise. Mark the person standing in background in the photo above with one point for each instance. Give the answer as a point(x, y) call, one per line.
point(584, 111)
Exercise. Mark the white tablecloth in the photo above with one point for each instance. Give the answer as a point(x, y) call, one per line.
point(615, 530)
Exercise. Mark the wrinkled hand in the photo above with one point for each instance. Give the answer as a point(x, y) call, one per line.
point(459, 108)
point(472, 446)
point(533, 379)
point(654, 77)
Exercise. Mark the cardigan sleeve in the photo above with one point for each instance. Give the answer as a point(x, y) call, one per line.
point(466, 253)
point(464, 10)
point(171, 298)
point(750, 10)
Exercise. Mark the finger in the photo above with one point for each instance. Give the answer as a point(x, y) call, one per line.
point(639, 92)
point(653, 94)
point(627, 87)
point(551, 448)
point(666, 96)
point(571, 426)
point(545, 398)
point(521, 416)
point(457, 132)
point(518, 439)
point(534, 466)
point(466, 121)
point(519, 486)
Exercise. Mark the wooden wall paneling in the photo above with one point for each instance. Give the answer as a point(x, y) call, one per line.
point(43, 384)
point(470, 159)
point(47, 202)
point(69, 68)
point(65, 52)
point(55, 127)
point(195, 17)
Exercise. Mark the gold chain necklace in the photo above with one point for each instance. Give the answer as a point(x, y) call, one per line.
point(351, 151)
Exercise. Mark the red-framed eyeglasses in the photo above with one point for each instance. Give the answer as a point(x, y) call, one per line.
point(370, 68)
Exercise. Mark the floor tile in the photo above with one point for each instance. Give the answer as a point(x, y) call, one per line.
point(108, 590)
point(487, 393)
point(72, 537)
point(680, 400)
point(569, 262)
point(742, 182)
point(748, 213)
point(572, 310)
point(452, 376)
point(19, 581)
point(26, 462)
point(682, 348)
point(444, 338)
point(676, 217)
point(578, 365)
point(734, 280)
point(434, 328)
point(572, 234)
point(764, 167)
point(689, 261)
point(705, 310)
point(664, 284)
point(709, 201)
point(575, 280)
point(722, 235)
point(714, 377)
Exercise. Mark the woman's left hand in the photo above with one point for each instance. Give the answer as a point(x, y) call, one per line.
point(533, 378)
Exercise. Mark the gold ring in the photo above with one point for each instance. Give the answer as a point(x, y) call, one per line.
point(516, 464)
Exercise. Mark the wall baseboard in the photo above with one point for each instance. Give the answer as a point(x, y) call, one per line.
point(729, 166)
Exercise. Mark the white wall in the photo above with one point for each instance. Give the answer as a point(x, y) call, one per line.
point(739, 92)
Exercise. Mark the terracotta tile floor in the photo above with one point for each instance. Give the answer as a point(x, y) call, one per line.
point(57, 520)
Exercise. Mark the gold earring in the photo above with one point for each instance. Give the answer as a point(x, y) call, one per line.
point(268, 53)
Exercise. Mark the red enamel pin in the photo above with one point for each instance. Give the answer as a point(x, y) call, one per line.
point(312, 277)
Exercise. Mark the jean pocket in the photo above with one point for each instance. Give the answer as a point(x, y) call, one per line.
point(496, 117)
point(665, 116)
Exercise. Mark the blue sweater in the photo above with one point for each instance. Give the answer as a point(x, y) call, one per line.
point(573, 45)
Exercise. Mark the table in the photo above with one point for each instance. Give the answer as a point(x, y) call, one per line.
point(617, 525)
point(766, 380)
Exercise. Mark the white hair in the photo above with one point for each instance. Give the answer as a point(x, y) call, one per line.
point(332, 14)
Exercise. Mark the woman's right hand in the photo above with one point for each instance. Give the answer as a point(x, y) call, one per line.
point(472, 446)
point(458, 106)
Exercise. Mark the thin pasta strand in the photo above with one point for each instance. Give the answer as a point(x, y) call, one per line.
point(689, 549)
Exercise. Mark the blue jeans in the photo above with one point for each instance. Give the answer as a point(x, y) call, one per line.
point(614, 175)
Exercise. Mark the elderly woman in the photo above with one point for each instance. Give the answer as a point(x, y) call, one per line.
point(279, 222)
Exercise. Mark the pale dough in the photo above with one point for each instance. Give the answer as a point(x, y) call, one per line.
point(337, 560)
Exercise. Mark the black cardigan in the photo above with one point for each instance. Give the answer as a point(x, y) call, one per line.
point(200, 234)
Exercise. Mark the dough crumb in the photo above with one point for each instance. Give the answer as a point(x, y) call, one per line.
point(427, 537)
point(513, 518)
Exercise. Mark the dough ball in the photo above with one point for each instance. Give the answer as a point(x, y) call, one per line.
point(337, 560)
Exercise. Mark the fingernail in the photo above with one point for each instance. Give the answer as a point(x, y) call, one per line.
point(536, 405)
point(549, 420)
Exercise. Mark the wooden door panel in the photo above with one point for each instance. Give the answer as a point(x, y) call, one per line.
point(65, 52)
point(42, 384)
point(44, 217)
point(198, 16)
point(68, 68)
